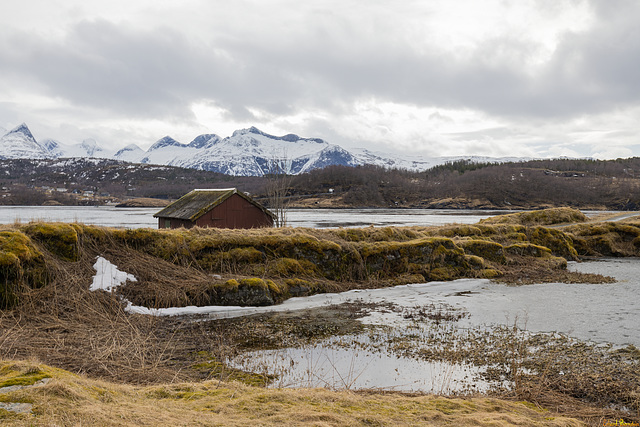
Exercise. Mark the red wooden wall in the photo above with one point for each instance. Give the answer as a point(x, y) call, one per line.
point(235, 212)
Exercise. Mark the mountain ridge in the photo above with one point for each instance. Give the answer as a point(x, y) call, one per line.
point(247, 152)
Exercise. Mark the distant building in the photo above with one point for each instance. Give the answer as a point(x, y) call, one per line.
point(224, 208)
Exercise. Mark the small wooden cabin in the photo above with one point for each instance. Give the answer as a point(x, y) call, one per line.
point(224, 208)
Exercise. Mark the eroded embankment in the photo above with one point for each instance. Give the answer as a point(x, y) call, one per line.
point(265, 266)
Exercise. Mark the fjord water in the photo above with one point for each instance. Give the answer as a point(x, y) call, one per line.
point(110, 216)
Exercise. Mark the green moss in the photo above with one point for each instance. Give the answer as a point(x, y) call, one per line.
point(288, 266)
point(299, 287)
point(462, 231)
point(254, 282)
point(22, 267)
point(278, 291)
point(441, 274)
point(475, 262)
point(606, 239)
point(386, 259)
point(246, 255)
point(528, 249)
point(16, 247)
point(560, 243)
point(229, 285)
point(516, 237)
point(59, 239)
point(488, 250)
point(25, 379)
point(489, 273)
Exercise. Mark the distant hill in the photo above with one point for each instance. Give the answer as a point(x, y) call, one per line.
point(582, 184)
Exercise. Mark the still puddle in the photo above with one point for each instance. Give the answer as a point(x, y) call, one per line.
point(350, 369)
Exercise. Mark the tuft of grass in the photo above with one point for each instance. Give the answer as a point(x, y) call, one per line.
point(539, 217)
point(58, 238)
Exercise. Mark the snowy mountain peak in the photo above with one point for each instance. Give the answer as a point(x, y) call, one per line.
point(167, 141)
point(130, 153)
point(128, 148)
point(90, 146)
point(53, 147)
point(205, 141)
point(24, 130)
point(19, 143)
point(252, 129)
point(290, 137)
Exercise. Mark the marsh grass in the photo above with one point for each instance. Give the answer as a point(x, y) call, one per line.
point(77, 400)
point(65, 325)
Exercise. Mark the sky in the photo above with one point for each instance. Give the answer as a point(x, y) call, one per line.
point(528, 78)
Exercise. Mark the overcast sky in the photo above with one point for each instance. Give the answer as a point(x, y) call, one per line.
point(543, 78)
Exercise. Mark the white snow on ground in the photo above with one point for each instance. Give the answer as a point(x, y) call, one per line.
point(108, 277)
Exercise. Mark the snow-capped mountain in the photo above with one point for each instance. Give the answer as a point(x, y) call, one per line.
point(131, 153)
point(19, 143)
point(53, 147)
point(247, 152)
point(252, 152)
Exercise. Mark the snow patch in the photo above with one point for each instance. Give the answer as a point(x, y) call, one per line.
point(108, 277)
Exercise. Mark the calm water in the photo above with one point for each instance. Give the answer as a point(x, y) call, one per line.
point(314, 218)
point(604, 313)
point(601, 313)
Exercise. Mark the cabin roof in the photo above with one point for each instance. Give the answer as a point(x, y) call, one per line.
point(196, 203)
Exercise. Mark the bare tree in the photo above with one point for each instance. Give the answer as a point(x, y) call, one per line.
point(278, 183)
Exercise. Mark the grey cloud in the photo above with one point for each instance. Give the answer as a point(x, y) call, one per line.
point(590, 72)
point(158, 73)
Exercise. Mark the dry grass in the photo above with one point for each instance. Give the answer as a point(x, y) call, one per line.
point(540, 217)
point(65, 325)
point(76, 400)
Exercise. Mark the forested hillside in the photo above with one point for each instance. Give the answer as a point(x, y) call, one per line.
point(577, 183)
point(580, 183)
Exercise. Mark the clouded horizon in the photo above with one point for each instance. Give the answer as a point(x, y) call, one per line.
point(536, 78)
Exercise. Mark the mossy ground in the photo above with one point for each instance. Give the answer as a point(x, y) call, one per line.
point(74, 400)
point(179, 267)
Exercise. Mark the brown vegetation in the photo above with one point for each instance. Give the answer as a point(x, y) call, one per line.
point(49, 314)
point(68, 399)
point(585, 184)
point(143, 202)
point(264, 266)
